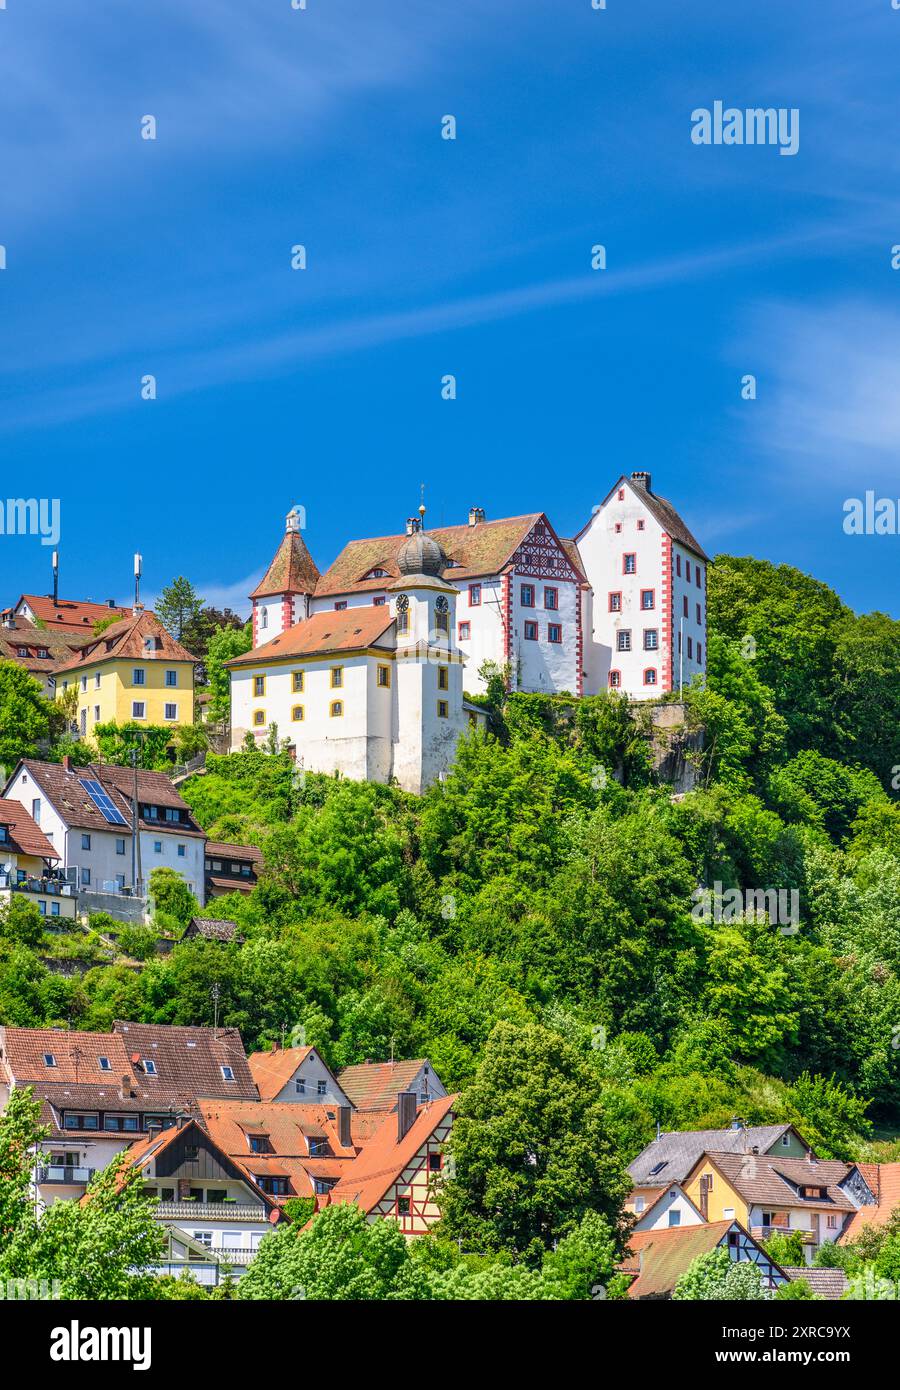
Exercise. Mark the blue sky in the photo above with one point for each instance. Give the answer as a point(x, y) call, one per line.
point(127, 257)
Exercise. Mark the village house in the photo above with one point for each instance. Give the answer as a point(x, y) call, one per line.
point(231, 868)
point(211, 929)
point(29, 865)
point(657, 1259)
point(87, 815)
point(101, 1091)
point(883, 1180)
point(38, 650)
point(133, 672)
point(75, 617)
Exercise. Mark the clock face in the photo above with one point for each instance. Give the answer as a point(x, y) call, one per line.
point(402, 603)
point(441, 604)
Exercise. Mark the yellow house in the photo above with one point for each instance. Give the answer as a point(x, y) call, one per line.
point(133, 672)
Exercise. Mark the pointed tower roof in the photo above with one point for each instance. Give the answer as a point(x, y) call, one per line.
point(293, 570)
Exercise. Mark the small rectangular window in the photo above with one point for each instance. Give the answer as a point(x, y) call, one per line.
point(650, 676)
point(678, 564)
point(615, 602)
point(340, 605)
point(465, 632)
point(623, 640)
point(403, 620)
point(629, 563)
point(337, 677)
point(527, 595)
point(297, 680)
point(157, 846)
point(227, 1073)
point(554, 632)
point(443, 709)
point(138, 709)
point(171, 711)
point(259, 717)
point(615, 680)
point(383, 677)
point(49, 1059)
point(297, 713)
point(149, 1066)
point(443, 678)
point(85, 877)
point(171, 678)
point(551, 599)
point(648, 599)
point(85, 842)
point(651, 639)
point(474, 595)
point(138, 676)
point(259, 685)
point(337, 709)
point(531, 632)
point(181, 851)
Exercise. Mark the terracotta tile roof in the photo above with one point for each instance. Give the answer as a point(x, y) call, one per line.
point(477, 550)
point(62, 788)
point(229, 885)
point(74, 615)
point(25, 835)
point(57, 645)
point(884, 1180)
point(349, 630)
point(759, 1178)
point(76, 1056)
point(828, 1283)
point(383, 1159)
point(374, 1085)
point(212, 928)
point(126, 640)
point(190, 1060)
point(144, 1150)
point(216, 849)
point(288, 1129)
point(273, 1070)
point(659, 1258)
point(662, 510)
point(292, 571)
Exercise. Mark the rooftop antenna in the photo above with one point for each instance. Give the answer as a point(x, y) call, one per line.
point(215, 992)
point(138, 570)
point(55, 577)
point(76, 1054)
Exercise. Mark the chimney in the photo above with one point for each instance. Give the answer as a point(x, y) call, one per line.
point(406, 1113)
point(344, 1127)
point(125, 1089)
point(67, 763)
point(110, 603)
point(154, 1125)
point(476, 514)
point(642, 479)
point(413, 524)
point(9, 619)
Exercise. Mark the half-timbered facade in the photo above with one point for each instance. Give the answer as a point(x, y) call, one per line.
point(657, 1259)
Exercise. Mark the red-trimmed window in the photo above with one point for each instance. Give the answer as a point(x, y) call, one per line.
point(690, 649)
point(648, 599)
point(380, 601)
point(526, 595)
point(687, 566)
point(640, 524)
point(474, 595)
point(531, 632)
point(650, 675)
point(554, 632)
point(623, 640)
point(621, 494)
point(465, 632)
point(629, 562)
point(618, 528)
point(678, 564)
point(615, 601)
point(699, 652)
point(699, 614)
point(684, 601)
point(697, 571)
point(615, 680)
point(551, 599)
point(340, 605)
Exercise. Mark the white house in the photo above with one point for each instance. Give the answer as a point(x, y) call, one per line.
point(645, 604)
point(86, 814)
point(373, 691)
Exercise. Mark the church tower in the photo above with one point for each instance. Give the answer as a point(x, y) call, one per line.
point(429, 665)
point(282, 597)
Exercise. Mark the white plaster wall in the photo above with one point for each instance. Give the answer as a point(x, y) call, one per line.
point(689, 626)
point(658, 1218)
point(542, 665)
point(486, 620)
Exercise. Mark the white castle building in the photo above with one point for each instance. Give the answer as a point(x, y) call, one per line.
point(363, 667)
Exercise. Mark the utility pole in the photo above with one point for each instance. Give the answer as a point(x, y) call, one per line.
point(215, 992)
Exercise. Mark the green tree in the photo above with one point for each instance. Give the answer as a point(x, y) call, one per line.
point(178, 605)
point(530, 1147)
point(224, 643)
point(172, 896)
point(25, 715)
point(715, 1276)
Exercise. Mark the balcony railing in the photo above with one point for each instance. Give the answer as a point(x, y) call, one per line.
point(764, 1232)
point(64, 1174)
point(226, 1212)
point(61, 886)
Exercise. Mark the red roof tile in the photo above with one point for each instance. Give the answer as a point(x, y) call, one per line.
point(25, 835)
point(292, 571)
point(127, 639)
point(67, 614)
point(350, 630)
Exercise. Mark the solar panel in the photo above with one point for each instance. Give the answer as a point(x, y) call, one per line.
point(101, 800)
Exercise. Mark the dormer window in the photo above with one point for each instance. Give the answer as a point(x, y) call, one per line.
point(149, 1066)
point(259, 1143)
point(377, 573)
point(49, 1059)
